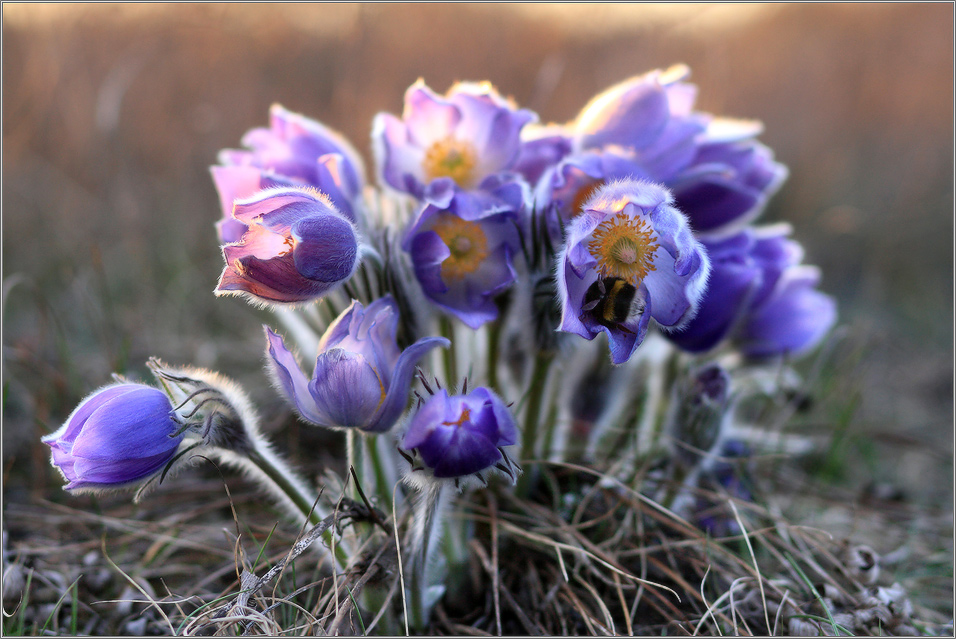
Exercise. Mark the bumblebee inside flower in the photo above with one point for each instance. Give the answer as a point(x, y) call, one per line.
point(628, 257)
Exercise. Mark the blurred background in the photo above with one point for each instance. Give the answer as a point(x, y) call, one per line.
point(112, 115)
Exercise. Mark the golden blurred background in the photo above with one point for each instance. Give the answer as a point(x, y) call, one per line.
point(112, 115)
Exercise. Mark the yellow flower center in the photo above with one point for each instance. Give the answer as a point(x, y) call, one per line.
point(452, 158)
point(624, 247)
point(467, 243)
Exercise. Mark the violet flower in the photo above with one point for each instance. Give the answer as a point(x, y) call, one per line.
point(460, 138)
point(461, 435)
point(361, 378)
point(118, 435)
point(760, 296)
point(462, 247)
point(720, 176)
point(629, 256)
point(293, 151)
point(297, 247)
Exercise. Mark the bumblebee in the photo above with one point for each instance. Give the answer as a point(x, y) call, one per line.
point(613, 301)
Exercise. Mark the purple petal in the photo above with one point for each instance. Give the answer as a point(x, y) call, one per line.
point(98, 472)
point(132, 425)
point(400, 385)
point(325, 248)
point(346, 388)
point(632, 113)
point(291, 380)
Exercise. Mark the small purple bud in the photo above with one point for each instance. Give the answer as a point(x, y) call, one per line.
point(461, 435)
point(118, 435)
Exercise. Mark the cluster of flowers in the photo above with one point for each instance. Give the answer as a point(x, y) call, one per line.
point(639, 209)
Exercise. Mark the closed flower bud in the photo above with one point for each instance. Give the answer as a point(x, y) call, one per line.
point(121, 434)
point(297, 247)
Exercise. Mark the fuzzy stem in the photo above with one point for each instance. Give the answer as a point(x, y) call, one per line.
point(430, 509)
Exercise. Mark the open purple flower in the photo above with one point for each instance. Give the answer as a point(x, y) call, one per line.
point(462, 247)
point(760, 295)
point(297, 247)
point(462, 137)
point(460, 435)
point(720, 176)
point(629, 256)
point(118, 435)
point(793, 319)
point(293, 151)
point(361, 378)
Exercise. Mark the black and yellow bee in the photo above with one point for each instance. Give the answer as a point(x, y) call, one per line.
point(613, 301)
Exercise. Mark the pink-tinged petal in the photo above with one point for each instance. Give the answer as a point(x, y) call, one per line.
point(429, 117)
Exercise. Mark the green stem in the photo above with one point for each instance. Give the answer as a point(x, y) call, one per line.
point(280, 478)
point(494, 337)
point(447, 330)
point(532, 415)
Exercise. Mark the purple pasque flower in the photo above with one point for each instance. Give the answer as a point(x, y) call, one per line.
point(293, 151)
point(118, 435)
point(460, 435)
point(792, 320)
point(462, 245)
point(297, 247)
point(361, 378)
point(629, 256)
point(759, 295)
point(721, 177)
point(461, 138)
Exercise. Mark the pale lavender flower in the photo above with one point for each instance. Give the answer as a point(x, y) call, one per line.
point(460, 138)
point(361, 377)
point(293, 151)
point(117, 436)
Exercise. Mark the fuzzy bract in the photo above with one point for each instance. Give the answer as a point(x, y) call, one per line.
point(361, 377)
point(119, 435)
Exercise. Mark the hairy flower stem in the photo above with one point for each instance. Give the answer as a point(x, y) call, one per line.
point(532, 415)
point(277, 478)
point(426, 585)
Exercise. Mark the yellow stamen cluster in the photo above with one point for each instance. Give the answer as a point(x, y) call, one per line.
point(624, 247)
point(464, 417)
point(467, 243)
point(450, 157)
